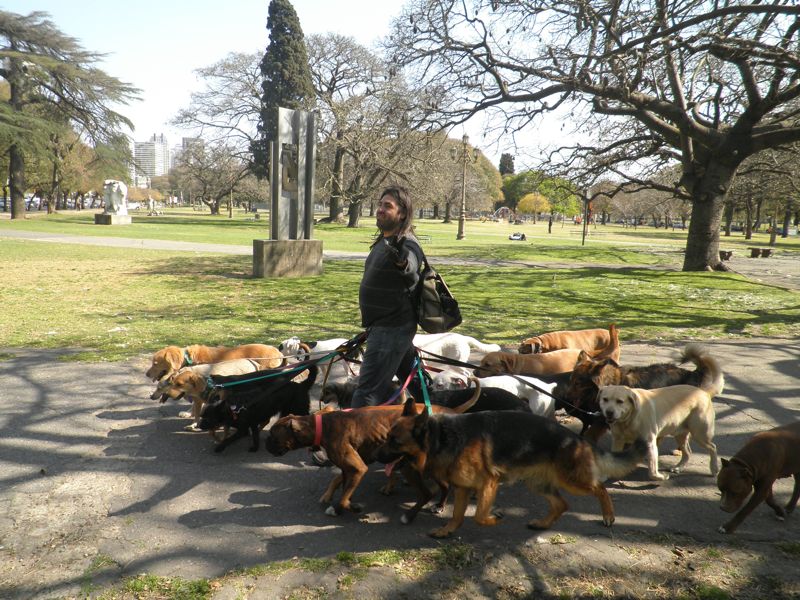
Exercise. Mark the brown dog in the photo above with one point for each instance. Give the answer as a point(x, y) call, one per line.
point(590, 340)
point(169, 360)
point(350, 439)
point(580, 397)
point(192, 383)
point(478, 451)
point(767, 456)
point(546, 363)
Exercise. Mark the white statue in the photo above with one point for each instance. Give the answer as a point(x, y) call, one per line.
point(115, 194)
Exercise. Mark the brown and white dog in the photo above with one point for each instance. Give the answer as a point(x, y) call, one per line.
point(590, 340)
point(169, 360)
point(192, 383)
point(579, 399)
point(767, 456)
point(546, 363)
point(679, 411)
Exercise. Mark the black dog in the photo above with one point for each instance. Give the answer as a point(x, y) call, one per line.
point(249, 406)
point(490, 399)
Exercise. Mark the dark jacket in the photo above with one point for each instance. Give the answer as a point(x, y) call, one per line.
point(384, 295)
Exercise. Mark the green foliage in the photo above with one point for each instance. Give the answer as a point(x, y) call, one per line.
point(286, 77)
point(506, 166)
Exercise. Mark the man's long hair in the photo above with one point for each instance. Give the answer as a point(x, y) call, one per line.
point(403, 199)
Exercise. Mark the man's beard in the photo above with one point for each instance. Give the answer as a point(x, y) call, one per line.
point(387, 224)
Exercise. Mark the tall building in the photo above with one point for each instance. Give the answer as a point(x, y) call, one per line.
point(152, 156)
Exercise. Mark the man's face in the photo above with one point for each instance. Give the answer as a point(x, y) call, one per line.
point(389, 215)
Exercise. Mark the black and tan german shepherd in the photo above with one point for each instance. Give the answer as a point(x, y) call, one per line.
point(478, 451)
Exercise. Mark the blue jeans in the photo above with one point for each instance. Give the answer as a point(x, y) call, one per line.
point(390, 351)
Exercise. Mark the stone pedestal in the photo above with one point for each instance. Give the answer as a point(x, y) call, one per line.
point(111, 219)
point(287, 258)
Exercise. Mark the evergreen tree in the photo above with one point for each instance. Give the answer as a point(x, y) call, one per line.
point(506, 164)
point(52, 85)
point(286, 78)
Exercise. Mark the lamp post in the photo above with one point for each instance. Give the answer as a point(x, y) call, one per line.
point(465, 157)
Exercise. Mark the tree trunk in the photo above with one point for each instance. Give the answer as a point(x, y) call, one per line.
point(337, 186)
point(708, 198)
point(16, 180)
point(787, 220)
point(354, 213)
point(435, 211)
point(748, 219)
point(728, 217)
point(447, 218)
point(773, 230)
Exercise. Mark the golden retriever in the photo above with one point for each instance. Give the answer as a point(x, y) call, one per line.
point(679, 411)
point(169, 360)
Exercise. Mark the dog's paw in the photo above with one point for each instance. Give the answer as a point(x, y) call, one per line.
point(608, 521)
point(780, 514)
point(722, 529)
point(675, 470)
point(537, 525)
point(356, 507)
point(406, 519)
point(498, 514)
point(659, 476)
point(185, 414)
point(387, 489)
point(436, 509)
point(440, 533)
point(193, 427)
point(331, 511)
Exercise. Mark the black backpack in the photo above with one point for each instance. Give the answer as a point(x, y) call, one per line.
point(437, 309)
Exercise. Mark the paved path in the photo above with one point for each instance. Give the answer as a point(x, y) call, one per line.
point(98, 478)
point(780, 270)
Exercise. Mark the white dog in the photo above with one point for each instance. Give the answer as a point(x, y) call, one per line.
point(679, 411)
point(294, 347)
point(451, 345)
point(540, 404)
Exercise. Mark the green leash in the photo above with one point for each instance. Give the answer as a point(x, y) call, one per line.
point(424, 387)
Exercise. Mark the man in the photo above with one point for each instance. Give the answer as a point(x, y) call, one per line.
point(391, 273)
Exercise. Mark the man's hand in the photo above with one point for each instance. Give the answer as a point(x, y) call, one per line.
point(394, 248)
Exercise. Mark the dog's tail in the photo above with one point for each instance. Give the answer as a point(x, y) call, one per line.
point(713, 381)
point(480, 346)
point(613, 465)
point(462, 408)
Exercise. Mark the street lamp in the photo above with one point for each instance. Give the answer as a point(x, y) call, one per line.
point(465, 157)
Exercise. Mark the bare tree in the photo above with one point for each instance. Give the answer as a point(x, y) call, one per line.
point(210, 173)
point(702, 83)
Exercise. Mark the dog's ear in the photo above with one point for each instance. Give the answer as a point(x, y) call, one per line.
point(582, 357)
point(410, 407)
point(725, 462)
point(420, 426)
point(295, 425)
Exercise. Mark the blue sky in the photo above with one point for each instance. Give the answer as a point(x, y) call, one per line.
point(156, 45)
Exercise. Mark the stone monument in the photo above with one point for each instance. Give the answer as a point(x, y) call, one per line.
point(290, 251)
point(115, 195)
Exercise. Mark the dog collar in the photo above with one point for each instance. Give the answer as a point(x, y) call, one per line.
point(317, 429)
point(186, 358)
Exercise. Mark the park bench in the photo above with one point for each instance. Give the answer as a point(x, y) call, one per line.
point(725, 254)
point(424, 238)
point(762, 252)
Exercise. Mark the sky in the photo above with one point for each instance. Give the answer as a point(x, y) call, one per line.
point(157, 45)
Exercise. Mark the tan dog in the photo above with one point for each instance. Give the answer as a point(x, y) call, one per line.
point(351, 440)
point(767, 456)
point(546, 363)
point(590, 340)
point(192, 383)
point(168, 360)
point(678, 411)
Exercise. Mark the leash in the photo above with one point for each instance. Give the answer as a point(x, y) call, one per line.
point(451, 361)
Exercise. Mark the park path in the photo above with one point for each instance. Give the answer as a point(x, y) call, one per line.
point(780, 270)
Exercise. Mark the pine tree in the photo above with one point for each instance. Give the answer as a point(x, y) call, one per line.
point(506, 164)
point(286, 78)
point(53, 85)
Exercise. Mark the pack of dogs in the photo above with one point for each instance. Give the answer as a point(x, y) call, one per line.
point(485, 424)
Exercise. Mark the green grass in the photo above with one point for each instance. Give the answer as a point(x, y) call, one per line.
point(609, 244)
point(114, 303)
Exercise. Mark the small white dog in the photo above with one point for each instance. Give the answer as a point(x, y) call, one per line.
point(451, 345)
point(294, 347)
point(540, 404)
point(679, 411)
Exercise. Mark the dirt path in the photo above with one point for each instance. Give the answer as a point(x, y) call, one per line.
point(99, 483)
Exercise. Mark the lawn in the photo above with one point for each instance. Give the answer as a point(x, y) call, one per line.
point(114, 303)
